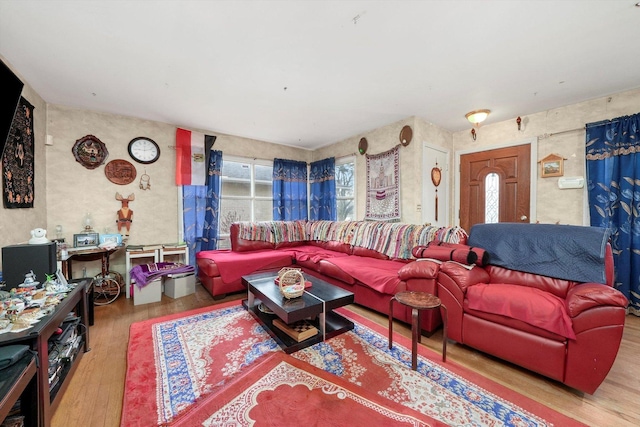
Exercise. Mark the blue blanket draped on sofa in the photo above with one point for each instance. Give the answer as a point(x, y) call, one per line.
point(567, 252)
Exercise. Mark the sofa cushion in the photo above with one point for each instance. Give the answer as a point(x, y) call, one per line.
point(328, 269)
point(531, 305)
point(360, 251)
point(558, 287)
point(313, 253)
point(284, 245)
point(589, 295)
point(208, 267)
point(332, 245)
point(420, 269)
point(482, 255)
point(378, 274)
point(441, 253)
point(233, 265)
point(510, 322)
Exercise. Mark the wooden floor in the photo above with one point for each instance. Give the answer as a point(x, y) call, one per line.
point(94, 395)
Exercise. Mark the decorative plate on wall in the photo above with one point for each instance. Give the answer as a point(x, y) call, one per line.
point(90, 152)
point(362, 145)
point(405, 135)
point(120, 172)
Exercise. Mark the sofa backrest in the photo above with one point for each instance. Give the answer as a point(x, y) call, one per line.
point(558, 287)
point(375, 239)
point(239, 244)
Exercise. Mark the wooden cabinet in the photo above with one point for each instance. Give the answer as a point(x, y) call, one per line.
point(38, 338)
point(19, 382)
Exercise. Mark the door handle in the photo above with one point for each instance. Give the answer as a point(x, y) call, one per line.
point(523, 218)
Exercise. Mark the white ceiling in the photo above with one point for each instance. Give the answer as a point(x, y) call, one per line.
point(311, 73)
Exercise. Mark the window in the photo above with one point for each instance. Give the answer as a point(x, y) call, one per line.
point(346, 188)
point(492, 198)
point(246, 194)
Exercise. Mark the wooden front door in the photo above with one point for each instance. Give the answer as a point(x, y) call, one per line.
point(510, 167)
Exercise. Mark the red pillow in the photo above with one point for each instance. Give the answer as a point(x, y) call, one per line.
point(463, 256)
point(482, 255)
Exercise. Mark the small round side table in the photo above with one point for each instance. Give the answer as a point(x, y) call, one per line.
point(418, 301)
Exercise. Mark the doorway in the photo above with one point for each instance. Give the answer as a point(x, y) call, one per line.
point(497, 184)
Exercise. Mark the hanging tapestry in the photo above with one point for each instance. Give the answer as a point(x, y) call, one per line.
point(383, 186)
point(18, 160)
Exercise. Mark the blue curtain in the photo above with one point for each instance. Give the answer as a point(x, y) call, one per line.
point(193, 207)
point(322, 178)
point(200, 209)
point(212, 212)
point(613, 179)
point(289, 190)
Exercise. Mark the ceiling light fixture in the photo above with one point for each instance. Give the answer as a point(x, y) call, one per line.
point(478, 116)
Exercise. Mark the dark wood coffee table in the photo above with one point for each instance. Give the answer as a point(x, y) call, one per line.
point(316, 305)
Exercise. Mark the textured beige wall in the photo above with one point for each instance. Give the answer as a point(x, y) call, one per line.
point(433, 136)
point(74, 190)
point(555, 205)
point(15, 224)
point(383, 139)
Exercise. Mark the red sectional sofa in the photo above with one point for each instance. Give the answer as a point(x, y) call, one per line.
point(564, 329)
point(371, 259)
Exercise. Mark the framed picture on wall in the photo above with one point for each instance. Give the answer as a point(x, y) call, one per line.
point(552, 165)
point(85, 239)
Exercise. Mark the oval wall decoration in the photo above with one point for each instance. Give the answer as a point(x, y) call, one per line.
point(405, 135)
point(120, 172)
point(362, 145)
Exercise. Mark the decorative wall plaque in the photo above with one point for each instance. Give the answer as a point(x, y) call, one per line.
point(90, 152)
point(120, 172)
point(406, 134)
point(363, 145)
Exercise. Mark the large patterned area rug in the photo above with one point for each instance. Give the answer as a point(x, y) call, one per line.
point(217, 366)
point(283, 391)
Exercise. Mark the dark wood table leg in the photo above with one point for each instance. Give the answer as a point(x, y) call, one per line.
point(444, 333)
point(391, 322)
point(415, 333)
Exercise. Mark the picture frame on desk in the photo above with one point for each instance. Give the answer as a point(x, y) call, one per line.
point(85, 239)
point(116, 239)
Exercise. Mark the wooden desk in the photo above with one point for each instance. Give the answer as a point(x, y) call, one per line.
point(92, 254)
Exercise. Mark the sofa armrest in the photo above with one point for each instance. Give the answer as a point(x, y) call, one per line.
point(464, 277)
point(419, 270)
point(585, 296)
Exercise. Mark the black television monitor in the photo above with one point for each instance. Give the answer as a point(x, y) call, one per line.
point(10, 90)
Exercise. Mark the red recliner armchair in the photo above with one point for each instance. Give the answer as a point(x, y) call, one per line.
point(562, 329)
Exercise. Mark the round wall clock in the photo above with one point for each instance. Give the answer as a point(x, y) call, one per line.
point(90, 152)
point(120, 172)
point(144, 150)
